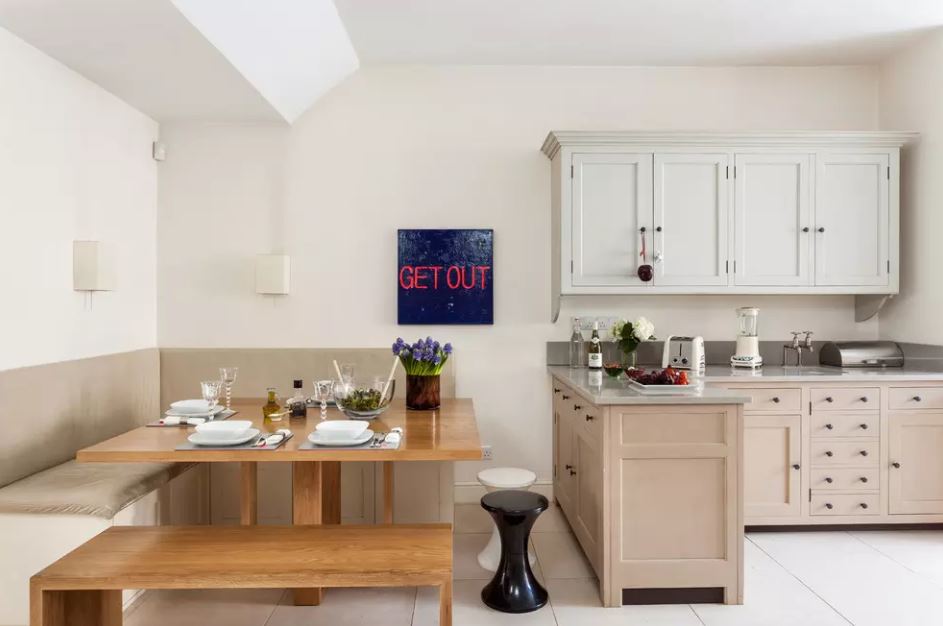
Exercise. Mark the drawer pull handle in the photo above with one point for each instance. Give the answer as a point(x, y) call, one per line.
point(589, 417)
point(864, 479)
point(828, 505)
point(895, 465)
point(864, 427)
point(828, 479)
point(828, 453)
point(863, 453)
point(566, 397)
point(829, 399)
point(864, 398)
point(577, 407)
point(569, 467)
point(776, 399)
point(863, 505)
point(917, 398)
point(795, 466)
point(829, 426)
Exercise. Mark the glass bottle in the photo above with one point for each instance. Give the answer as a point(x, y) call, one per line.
point(577, 346)
point(271, 407)
point(594, 354)
point(297, 404)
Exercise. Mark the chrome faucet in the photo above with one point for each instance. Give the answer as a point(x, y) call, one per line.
point(798, 346)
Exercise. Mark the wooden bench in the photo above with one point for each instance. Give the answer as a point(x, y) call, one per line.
point(84, 587)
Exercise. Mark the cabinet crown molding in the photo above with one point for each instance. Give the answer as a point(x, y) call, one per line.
point(695, 138)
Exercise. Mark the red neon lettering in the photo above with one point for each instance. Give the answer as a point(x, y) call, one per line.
point(406, 282)
point(484, 271)
point(435, 276)
point(420, 276)
point(458, 277)
point(472, 285)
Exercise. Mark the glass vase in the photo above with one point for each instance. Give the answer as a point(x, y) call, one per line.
point(422, 392)
point(628, 360)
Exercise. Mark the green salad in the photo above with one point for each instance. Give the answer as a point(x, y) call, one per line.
point(362, 400)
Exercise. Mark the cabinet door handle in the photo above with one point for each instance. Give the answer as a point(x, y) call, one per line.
point(864, 427)
point(895, 465)
point(828, 479)
point(863, 453)
point(566, 397)
point(828, 505)
point(829, 399)
point(589, 417)
point(829, 426)
point(805, 229)
point(577, 407)
point(795, 466)
point(864, 398)
point(776, 399)
point(917, 398)
point(864, 479)
point(828, 453)
point(863, 505)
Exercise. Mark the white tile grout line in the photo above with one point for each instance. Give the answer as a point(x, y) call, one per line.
point(412, 618)
point(698, 617)
point(275, 606)
point(801, 582)
point(932, 581)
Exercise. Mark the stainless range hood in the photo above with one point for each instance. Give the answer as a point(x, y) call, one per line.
point(861, 354)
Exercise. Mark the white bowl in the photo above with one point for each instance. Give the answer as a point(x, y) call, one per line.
point(227, 429)
point(190, 406)
point(341, 430)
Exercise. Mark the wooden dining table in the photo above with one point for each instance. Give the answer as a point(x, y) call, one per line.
point(449, 433)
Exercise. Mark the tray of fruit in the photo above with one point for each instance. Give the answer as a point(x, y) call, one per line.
point(660, 382)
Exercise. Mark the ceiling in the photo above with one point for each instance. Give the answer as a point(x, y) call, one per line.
point(634, 32)
point(255, 60)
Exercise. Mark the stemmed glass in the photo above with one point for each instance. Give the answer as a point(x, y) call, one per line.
point(323, 390)
point(211, 389)
point(228, 376)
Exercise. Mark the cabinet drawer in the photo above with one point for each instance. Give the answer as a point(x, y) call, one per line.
point(844, 504)
point(859, 453)
point(915, 398)
point(863, 479)
point(863, 398)
point(778, 400)
point(837, 425)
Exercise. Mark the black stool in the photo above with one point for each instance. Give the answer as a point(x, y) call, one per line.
point(514, 589)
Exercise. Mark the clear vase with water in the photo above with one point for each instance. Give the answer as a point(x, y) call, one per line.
point(577, 345)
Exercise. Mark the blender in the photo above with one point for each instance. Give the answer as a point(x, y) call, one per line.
point(748, 344)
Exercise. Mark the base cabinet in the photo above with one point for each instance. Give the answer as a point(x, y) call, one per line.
point(915, 451)
point(772, 483)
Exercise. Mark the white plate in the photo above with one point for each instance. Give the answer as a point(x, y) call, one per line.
point(663, 390)
point(210, 439)
point(341, 429)
point(189, 407)
point(226, 428)
point(319, 440)
point(204, 414)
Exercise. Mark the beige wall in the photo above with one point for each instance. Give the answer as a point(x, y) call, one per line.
point(910, 97)
point(452, 147)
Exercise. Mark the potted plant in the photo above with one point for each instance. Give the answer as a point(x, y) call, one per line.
point(423, 362)
point(628, 335)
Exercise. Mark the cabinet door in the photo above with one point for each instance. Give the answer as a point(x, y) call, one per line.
point(690, 219)
point(772, 220)
point(771, 480)
point(588, 493)
point(566, 471)
point(612, 201)
point(915, 476)
point(851, 219)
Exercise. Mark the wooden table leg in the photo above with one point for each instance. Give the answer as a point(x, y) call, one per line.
point(316, 498)
point(75, 608)
point(249, 496)
point(387, 492)
point(445, 603)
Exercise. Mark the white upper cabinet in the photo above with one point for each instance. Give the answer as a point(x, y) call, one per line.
point(852, 219)
point(612, 202)
point(772, 220)
point(725, 213)
point(690, 239)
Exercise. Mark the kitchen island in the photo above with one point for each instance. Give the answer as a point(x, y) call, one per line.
point(652, 487)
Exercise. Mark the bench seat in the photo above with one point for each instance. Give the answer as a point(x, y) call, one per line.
point(96, 489)
point(81, 588)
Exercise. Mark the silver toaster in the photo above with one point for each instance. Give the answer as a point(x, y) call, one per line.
point(685, 353)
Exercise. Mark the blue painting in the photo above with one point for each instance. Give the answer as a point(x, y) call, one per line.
point(446, 276)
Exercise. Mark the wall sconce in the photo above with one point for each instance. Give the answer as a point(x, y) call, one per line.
point(91, 268)
point(272, 274)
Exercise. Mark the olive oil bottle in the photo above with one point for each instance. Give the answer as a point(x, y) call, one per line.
point(271, 407)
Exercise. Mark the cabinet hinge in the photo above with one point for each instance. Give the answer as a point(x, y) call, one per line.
point(571, 171)
point(810, 490)
point(734, 171)
point(554, 471)
point(810, 407)
point(888, 172)
point(727, 266)
point(888, 266)
point(734, 266)
point(728, 171)
point(571, 266)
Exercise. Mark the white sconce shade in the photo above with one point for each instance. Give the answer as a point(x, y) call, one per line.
point(91, 269)
point(272, 274)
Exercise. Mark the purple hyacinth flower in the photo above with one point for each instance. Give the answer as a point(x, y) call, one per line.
point(397, 349)
point(447, 348)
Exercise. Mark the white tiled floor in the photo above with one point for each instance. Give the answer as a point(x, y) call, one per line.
point(866, 578)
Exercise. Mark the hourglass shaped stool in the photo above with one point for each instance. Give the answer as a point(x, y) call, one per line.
point(495, 479)
point(514, 588)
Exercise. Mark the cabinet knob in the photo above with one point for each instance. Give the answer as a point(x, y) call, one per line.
point(828, 479)
point(589, 417)
point(917, 398)
point(895, 465)
point(828, 505)
point(828, 453)
point(864, 427)
point(829, 399)
point(864, 398)
point(863, 505)
point(829, 426)
point(569, 467)
point(863, 479)
point(572, 473)
point(555, 390)
point(577, 407)
point(821, 229)
point(658, 229)
point(642, 229)
point(795, 466)
point(566, 397)
point(863, 453)
point(805, 229)
point(776, 399)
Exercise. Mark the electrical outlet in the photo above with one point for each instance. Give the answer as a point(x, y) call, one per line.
point(586, 321)
point(486, 453)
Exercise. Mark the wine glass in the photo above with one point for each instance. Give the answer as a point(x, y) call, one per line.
point(228, 376)
point(211, 389)
point(323, 390)
point(347, 373)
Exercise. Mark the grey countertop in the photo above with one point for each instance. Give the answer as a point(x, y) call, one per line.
point(613, 391)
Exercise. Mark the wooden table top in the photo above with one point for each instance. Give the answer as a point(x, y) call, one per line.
point(447, 434)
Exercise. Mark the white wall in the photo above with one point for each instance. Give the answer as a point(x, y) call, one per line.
point(74, 164)
point(911, 93)
point(402, 147)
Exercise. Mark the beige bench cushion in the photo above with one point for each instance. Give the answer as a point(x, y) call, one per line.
point(98, 489)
